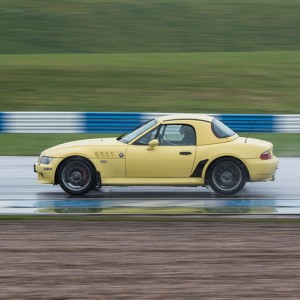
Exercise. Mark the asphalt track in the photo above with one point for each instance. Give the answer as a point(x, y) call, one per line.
point(20, 193)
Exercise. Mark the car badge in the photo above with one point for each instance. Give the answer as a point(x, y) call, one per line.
point(121, 154)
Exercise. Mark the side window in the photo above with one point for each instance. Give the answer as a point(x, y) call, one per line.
point(145, 139)
point(177, 134)
point(221, 130)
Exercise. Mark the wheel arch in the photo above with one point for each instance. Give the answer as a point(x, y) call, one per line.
point(210, 165)
point(56, 181)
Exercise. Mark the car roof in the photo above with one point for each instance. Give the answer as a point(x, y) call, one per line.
point(175, 117)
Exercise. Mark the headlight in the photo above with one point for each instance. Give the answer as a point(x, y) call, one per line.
point(46, 160)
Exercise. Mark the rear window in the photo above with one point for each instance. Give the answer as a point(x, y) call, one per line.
point(220, 130)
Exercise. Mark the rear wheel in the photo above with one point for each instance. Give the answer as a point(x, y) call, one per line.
point(76, 176)
point(227, 176)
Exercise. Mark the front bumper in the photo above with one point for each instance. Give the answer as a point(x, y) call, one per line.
point(46, 173)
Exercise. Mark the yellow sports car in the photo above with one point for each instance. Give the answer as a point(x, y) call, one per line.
point(174, 150)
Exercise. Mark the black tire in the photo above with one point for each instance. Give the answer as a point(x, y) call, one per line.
point(227, 176)
point(76, 176)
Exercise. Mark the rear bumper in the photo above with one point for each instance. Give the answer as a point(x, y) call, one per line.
point(262, 170)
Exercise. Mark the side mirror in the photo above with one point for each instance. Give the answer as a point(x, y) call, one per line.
point(152, 144)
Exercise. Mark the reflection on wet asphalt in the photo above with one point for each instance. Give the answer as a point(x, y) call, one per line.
point(19, 189)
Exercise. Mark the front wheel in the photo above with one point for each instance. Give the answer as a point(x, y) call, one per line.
point(76, 176)
point(227, 176)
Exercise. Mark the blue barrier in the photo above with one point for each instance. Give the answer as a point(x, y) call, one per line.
point(110, 122)
point(1, 122)
point(249, 123)
point(116, 122)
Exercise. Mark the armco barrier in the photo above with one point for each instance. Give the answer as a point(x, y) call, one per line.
point(1, 121)
point(249, 123)
point(42, 122)
point(287, 123)
point(110, 122)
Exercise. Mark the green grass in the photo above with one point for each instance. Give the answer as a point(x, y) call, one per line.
point(244, 82)
point(33, 144)
point(131, 26)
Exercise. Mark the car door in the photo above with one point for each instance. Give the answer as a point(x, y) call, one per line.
point(170, 159)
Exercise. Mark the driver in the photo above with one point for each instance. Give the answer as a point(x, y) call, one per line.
point(188, 135)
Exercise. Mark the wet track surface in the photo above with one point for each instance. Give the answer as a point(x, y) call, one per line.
point(20, 192)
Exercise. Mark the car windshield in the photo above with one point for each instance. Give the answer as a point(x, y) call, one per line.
point(129, 136)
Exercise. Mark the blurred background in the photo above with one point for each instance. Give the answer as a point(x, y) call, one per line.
point(221, 56)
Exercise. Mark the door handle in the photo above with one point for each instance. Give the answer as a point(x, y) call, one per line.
point(185, 153)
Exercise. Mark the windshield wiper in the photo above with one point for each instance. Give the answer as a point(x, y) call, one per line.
point(120, 137)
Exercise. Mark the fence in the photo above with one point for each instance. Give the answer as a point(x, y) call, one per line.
point(110, 122)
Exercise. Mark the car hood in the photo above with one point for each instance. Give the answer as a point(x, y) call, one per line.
point(84, 144)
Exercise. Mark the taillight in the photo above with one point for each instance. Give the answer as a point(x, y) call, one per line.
point(266, 155)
